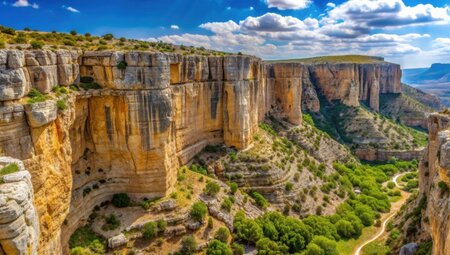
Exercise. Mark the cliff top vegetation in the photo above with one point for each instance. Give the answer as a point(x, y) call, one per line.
point(32, 39)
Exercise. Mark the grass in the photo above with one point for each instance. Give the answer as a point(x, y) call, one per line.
point(375, 248)
point(35, 96)
point(9, 169)
point(336, 59)
point(84, 239)
point(346, 246)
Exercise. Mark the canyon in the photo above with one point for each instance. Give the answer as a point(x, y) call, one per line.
point(151, 114)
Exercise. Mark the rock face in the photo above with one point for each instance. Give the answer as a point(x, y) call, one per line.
point(154, 112)
point(434, 178)
point(19, 223)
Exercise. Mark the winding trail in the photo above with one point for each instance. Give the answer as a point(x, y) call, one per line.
point(386, 217)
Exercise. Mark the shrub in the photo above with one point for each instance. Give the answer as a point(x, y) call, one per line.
point(259, 199)
point(188, 245)
point(87, 34)
point(111, 223)
point(216, 247)
point(328, 246)
point(7, 30)
point(238, 249)
point(162, 225)
point(87, 86)
point(222, 234)
point(121, 200)
point(61, 104)
point(212, 189)
point(344, 228)
point(198, 211)
point(73, 32)
point(108, 37)
point(246, 229)
point(2, 44)
point(86, 240)
point(36, 96)
point(289, 186)
point(226, 204)
point(37, 44)
point(391, 185)
point(86, 79)
point(122, 65)
point(149, 230)
point(233, 187)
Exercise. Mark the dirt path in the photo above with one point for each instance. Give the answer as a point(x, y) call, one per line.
point(387, 216)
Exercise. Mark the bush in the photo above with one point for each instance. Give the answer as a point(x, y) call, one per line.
point(73, 32)
point(246, 229)
point(344, 228)
point(266, 246)
point(122, 65)
point(36, 96)
point(259, 199)
point(108, 37)
point(222, 234)
point(149, 230)
point(7, 30)
point(188, 245)
point(111, 223)
point(162, 225)
point(233, 187)
point(216, 247)
point(86, 79)
point(226, 204)
point(212, 188)
point(121, 200)
point(37, 44)
point(198, 211)
point(61, 104)
point(86, 240)
point(238, 249)
point(289, 186)
point(391, 185)
point(328, 246)
point(2, 44)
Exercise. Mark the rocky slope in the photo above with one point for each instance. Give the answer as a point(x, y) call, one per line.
point(141, 115)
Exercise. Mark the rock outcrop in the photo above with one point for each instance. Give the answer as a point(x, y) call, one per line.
point(153, 112)
point(19, 223)
point(435, 183)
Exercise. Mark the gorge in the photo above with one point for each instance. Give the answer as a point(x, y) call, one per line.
point(130, 120)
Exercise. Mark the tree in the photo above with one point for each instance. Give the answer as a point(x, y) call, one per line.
point(188, 245)
point(108, 37)
point(198, 211)
point(266, 246)
point(238, 249)
point(247, 229)
point(216, 247)
point(37, 44)
point(314, 249)
point(73, 32)
point(121, 200)
point(327, 245)
point(344, 228)
point(222, 234)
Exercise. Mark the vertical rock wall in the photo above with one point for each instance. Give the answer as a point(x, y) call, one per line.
point(434, 176)
point(154, 112)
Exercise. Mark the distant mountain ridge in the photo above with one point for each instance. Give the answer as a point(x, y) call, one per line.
point(437, 73)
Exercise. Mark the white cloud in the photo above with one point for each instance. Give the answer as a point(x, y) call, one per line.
point(25, 3)
point(70, 9)
point(271, 22)
point(174, 27)
point(229, 8)
point(221, 27)
point(251, 8)
point(289, 4)
point(331, 5)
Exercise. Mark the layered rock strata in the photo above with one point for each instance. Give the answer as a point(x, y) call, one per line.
point(153, 112)
point(19, 223)
point(435, 183)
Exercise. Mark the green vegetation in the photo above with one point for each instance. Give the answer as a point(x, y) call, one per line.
point(121, 200)
point(37, 44)
point(188, 245)
point(217, 247)
point(35, 96)
point(199, 211)
point(259, 199)
point(61, 104)
point(8, 169)
point(222, 234)
point(111, 223)
point(233, 187)
point(212, 188)
point(150, 230)
point(84, 241)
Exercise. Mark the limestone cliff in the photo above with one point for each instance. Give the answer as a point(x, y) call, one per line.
point(435, 183)
point(149, 113)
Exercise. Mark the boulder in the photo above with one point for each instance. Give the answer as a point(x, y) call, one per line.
point(117, 241)
point(41, 113)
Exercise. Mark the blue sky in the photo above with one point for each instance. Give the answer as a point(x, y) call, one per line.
point(413, 33)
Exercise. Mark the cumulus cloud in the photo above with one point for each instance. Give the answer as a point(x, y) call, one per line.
point(176, 27)
point(25, 3)
point(289, 4)
point(353, 27)
point(70, 9)
point(220, 27)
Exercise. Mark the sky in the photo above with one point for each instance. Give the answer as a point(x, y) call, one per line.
point(413, 33)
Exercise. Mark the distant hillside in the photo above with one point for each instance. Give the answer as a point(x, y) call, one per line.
point(434, 80)
point(437, 73)
point(360, 59)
